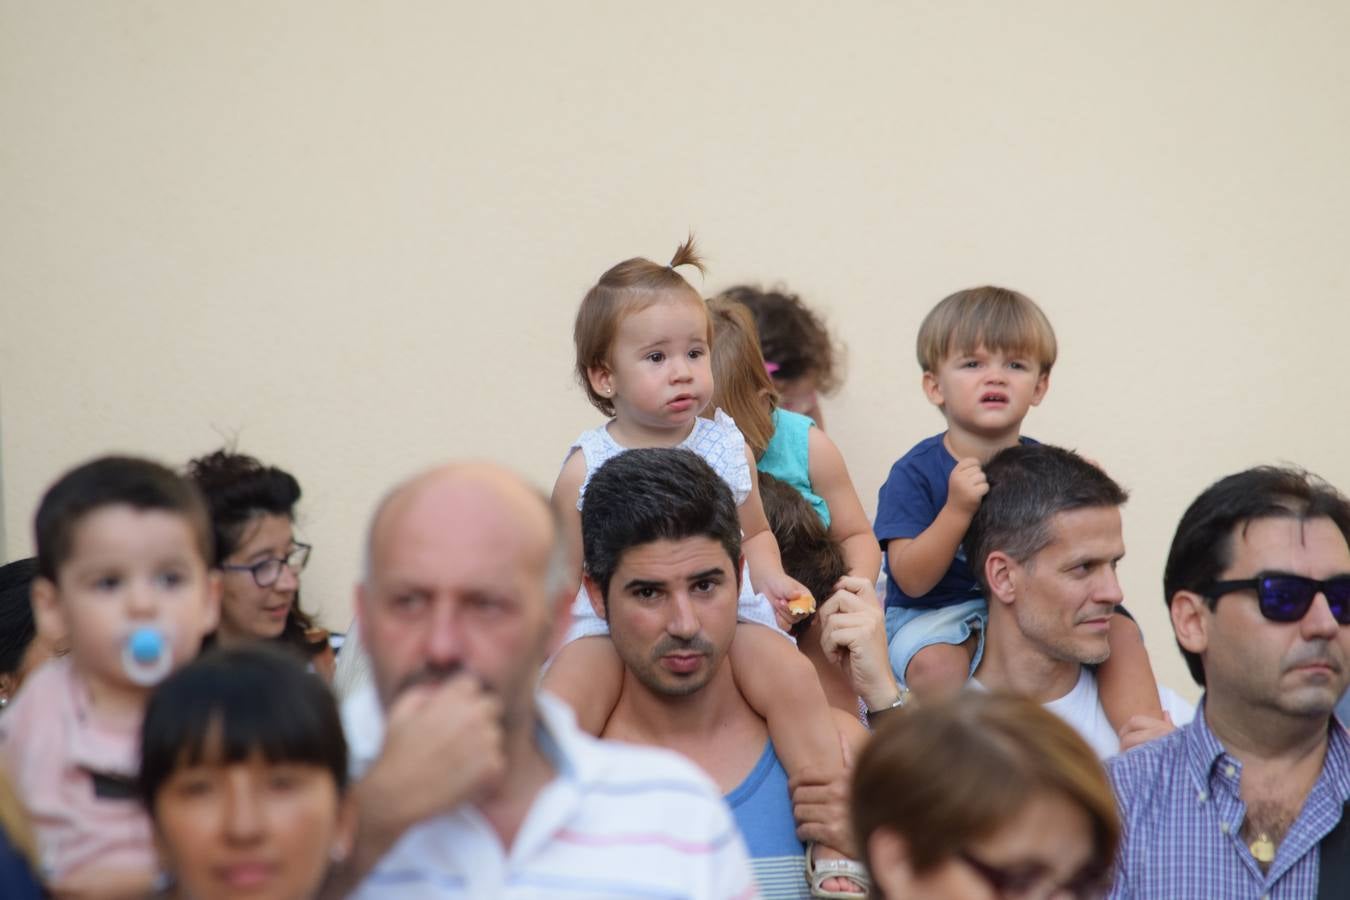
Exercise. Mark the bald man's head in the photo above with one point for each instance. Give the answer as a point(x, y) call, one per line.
point(536, 517)
point(464, 570)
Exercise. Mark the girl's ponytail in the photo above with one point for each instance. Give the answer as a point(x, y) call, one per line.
point(687, 255)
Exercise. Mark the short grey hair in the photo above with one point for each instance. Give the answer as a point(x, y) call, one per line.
point(1029, 485)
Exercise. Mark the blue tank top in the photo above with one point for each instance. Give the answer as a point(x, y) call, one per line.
point(763, 811)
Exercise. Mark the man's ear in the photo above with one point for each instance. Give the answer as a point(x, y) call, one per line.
point(361, 601)
point(888, 860)
point(49, 616)
point(601, 380)
point(1042, 385)
point(1000, 573)
point(1191, 617)
point(596, 596)
point(931, 389)
point(560, 616)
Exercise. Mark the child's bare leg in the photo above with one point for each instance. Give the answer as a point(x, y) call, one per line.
point(1125, 680)
point(940, 670)
point(781, 685)
point(588, 674)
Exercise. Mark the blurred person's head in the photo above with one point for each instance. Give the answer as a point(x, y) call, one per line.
point(22, 649)
point(465, 572)
point(244, 774)
point(252, 508)
point(983, 796)
point(123, 556)
point(798, 352)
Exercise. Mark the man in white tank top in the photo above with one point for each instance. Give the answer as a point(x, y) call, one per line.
point(1045, 543)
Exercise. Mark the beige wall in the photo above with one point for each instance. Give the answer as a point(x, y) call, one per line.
point(353, 235)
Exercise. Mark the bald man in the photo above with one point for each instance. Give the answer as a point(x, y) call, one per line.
point(481, 787)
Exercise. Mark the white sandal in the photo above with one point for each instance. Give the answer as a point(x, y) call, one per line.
point(818, 872)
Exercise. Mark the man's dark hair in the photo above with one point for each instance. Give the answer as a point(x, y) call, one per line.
point(233, 702)
point(1202, 547)
point(113, 481)
point(1029, 485)
point(809, 554)
point(654, 494)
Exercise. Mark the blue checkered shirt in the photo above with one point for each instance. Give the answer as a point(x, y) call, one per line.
point(1181, 819)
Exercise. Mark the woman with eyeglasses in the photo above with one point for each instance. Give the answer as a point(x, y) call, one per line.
point(983, 796)
point(253, 517)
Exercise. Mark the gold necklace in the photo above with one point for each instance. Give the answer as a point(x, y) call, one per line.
point(1263, 849)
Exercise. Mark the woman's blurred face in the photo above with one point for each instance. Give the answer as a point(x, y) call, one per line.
point(1040, 854)
point(799, 395)
point(247, 609)
point(256, 829)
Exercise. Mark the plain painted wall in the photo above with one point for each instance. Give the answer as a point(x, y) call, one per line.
point(353, 236)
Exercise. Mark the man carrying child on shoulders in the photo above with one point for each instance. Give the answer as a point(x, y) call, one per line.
point(986, 355)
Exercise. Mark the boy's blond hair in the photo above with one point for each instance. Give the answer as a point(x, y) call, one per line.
point(629, 287)
point(996, 318)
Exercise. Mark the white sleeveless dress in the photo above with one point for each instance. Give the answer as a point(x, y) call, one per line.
point(722, 446)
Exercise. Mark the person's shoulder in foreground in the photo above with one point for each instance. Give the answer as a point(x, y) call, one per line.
point(618, 821)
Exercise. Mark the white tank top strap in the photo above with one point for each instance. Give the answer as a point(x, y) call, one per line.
point(597, 448)
point(717, 440)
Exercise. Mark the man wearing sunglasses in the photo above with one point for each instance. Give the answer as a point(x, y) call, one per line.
point(1249, 800)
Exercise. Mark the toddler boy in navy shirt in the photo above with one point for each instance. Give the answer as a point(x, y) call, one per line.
point(986, 355)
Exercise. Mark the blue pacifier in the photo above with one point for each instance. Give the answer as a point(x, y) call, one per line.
point(146, 657)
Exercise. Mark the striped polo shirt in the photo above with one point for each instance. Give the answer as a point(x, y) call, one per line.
point(616, 821)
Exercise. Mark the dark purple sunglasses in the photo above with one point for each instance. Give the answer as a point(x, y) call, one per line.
point(1287, 598)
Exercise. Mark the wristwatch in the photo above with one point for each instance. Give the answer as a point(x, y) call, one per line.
point(874, 714)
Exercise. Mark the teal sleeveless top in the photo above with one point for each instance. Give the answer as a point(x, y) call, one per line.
point(786, 457)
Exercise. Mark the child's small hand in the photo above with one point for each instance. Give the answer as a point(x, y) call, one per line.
point(1142, 729)
point(967, 486)
point(782, 589)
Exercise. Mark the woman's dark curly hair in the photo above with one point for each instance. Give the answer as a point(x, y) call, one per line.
point(791, 336)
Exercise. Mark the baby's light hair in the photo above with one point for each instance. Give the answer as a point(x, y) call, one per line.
point(741, 384)
point(629, 287)
point(996, 318)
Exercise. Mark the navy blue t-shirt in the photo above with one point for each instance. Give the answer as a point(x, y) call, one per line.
point(16, 880)
point(910, 500)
